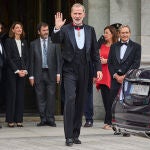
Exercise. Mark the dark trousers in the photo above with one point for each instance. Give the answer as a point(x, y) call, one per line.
point(75, 84)
point(14, 98)
point(3, 88)
point(45, 94)
point(0, 85)
point(62, 93)
point(88, 108)
point(0, 74)
point(105, 92)
point(113, 94)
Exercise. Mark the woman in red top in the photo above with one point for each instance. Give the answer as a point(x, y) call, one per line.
point(110, 36)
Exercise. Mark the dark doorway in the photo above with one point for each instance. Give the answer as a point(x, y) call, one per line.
point(30, 13)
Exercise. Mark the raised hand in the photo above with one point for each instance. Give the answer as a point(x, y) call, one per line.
point(59, 22)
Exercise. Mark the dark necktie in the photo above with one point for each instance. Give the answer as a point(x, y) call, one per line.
point(44, 54)
point(124, 43)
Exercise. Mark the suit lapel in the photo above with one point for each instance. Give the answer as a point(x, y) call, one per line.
point(117, 51)
point(87, 32)
point(49, 48)
point(3, 52)
point(22, 48)
point(15, 47)
point(39, 49)
point(72, 35)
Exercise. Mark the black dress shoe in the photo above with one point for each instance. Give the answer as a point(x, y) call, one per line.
point(52, 124)
point(126, 134)
point(0, 126)
point(69, 142)
point(11, 125)
point(19, 125)
point(88, 124)
point(76, 141)
point(41, 124)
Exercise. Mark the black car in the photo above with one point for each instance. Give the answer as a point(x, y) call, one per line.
point(131, 108)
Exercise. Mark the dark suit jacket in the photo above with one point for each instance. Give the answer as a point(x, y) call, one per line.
point(2, 61)
point(14, 61)
point(53, 60)
point(2, 56)
point(131, 59)
point(66, 37)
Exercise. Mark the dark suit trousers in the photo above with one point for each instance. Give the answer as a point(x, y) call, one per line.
point(75, 84)
point(15, 98)
point(45, 93)
point(88, 108)
point(0, 74)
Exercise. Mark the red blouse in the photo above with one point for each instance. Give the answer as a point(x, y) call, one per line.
point(106, 80)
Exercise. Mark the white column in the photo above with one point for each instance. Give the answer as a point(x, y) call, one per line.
point(145, 30)
point(98, 17)
point(127, 12)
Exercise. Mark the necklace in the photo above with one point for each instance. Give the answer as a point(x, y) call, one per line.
point(78, 33)
point(78, 28)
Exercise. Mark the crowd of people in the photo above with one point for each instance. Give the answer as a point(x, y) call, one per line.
point(73, 57)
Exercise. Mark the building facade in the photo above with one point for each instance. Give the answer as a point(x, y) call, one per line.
point(134, 13)
point(100, 13)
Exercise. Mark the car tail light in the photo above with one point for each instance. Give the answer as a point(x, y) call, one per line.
point(148, 126)
point(114, 120)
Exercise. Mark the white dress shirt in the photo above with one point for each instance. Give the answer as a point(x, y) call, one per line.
point(1, 49)
point(123, 50)
point(18, 42)
point(80, 39)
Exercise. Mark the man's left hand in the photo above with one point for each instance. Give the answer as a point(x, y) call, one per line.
point(58, 78)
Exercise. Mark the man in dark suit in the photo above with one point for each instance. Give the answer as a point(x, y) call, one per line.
point(3, 33)
point(44, 72)
point(79, 47)
point(3, 37)
point(123, 56)
point(2, 62)
point(2, 59)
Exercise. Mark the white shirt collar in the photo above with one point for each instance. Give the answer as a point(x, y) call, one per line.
point(125, 42)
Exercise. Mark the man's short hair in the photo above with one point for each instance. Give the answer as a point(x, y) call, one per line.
point(78, 5)
point(124, 26)
point(41, 24)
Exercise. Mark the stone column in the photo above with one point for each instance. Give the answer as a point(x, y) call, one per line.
point(145, 31)
point(127, 12)
point(98, 17)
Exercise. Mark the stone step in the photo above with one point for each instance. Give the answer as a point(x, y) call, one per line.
point(33, 118)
